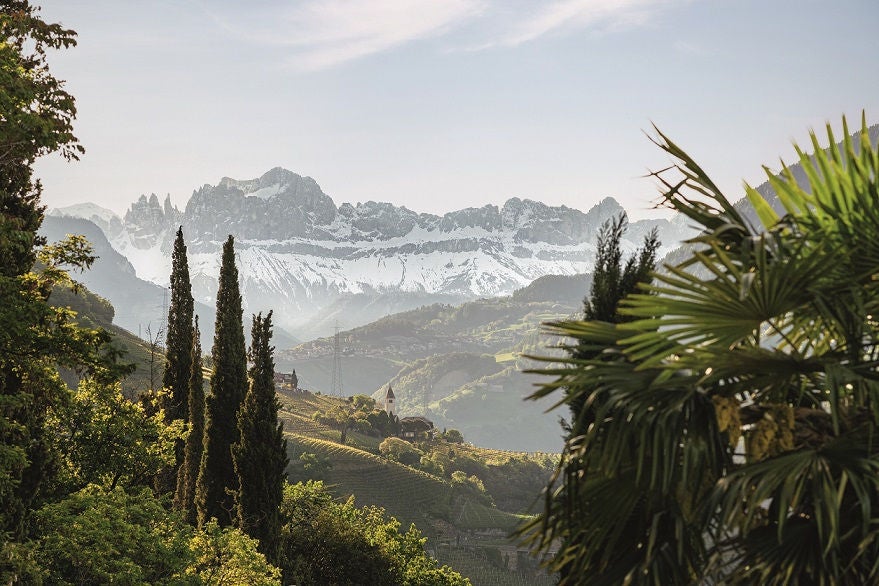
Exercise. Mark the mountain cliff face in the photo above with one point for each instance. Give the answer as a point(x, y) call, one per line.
point(299, 253)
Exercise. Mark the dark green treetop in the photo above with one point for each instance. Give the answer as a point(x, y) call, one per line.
point(612, 280)
point(178, 347)
point(178, 359)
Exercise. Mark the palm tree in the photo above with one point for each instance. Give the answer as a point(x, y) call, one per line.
point(732, 432)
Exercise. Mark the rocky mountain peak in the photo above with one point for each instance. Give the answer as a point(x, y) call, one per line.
point(277, 205)
point(487, 218)
point(147, 220)
point(607, 207)
point(105, 219)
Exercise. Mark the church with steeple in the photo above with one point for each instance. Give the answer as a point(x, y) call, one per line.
point(411, 428)
point(389, 402)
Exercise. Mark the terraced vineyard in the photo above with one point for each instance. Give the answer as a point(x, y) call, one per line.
point(404, 492)
point(482, 573)
point(473, 515)
point(299, 424)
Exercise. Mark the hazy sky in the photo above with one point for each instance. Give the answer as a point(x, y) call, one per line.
point(443, 104)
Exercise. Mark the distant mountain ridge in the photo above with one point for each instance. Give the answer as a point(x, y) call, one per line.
point(139, 304)
point(301, 255)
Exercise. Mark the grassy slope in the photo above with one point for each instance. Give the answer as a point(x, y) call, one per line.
point(409, 495)
point(405, 492)
point(413, 496)
point(492, 412)
point(95, 312)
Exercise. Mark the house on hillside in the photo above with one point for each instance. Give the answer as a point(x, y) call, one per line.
point(412, 428)
point(285, 382)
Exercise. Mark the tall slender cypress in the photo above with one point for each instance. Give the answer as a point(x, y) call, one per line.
point(178, 353)
point(178, 359)
point(217, 482)
point(260, 457)
point(184, 496)
point(612, 281)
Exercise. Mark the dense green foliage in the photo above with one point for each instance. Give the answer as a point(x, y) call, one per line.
point(225, 555)
point(99, 536)
point(326, 543)
point(35, 338)
point(217, 481)
point(91, 310)
point(187, 476)
point(178, 355)
point(103, 438)
point(260, 457)
point(360, 414)
point(734, 417)
point(400, 451)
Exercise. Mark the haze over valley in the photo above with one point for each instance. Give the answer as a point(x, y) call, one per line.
point(439, 292)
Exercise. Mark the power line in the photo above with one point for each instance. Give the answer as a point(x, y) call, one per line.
point(164, 321)
point(337, 363)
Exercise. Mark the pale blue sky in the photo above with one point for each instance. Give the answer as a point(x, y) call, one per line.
point(443, 104)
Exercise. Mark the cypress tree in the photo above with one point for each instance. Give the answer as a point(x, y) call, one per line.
point(178, 358)
point(612, 281)
point(178, 354)
point(217, 482)
point(260, 457)
point(184, 496)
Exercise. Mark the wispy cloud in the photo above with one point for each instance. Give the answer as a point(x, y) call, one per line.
point(322, 33)
point(319, 34)
point(569, 15)
point(687, 47)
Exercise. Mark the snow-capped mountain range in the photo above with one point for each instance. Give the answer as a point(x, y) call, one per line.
point(299, 253)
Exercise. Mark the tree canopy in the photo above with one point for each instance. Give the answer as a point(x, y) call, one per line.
point(326, 542)
point(35, 339)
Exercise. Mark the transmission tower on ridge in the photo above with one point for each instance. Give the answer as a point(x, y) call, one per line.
point(337, 363)
point(163, 321)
